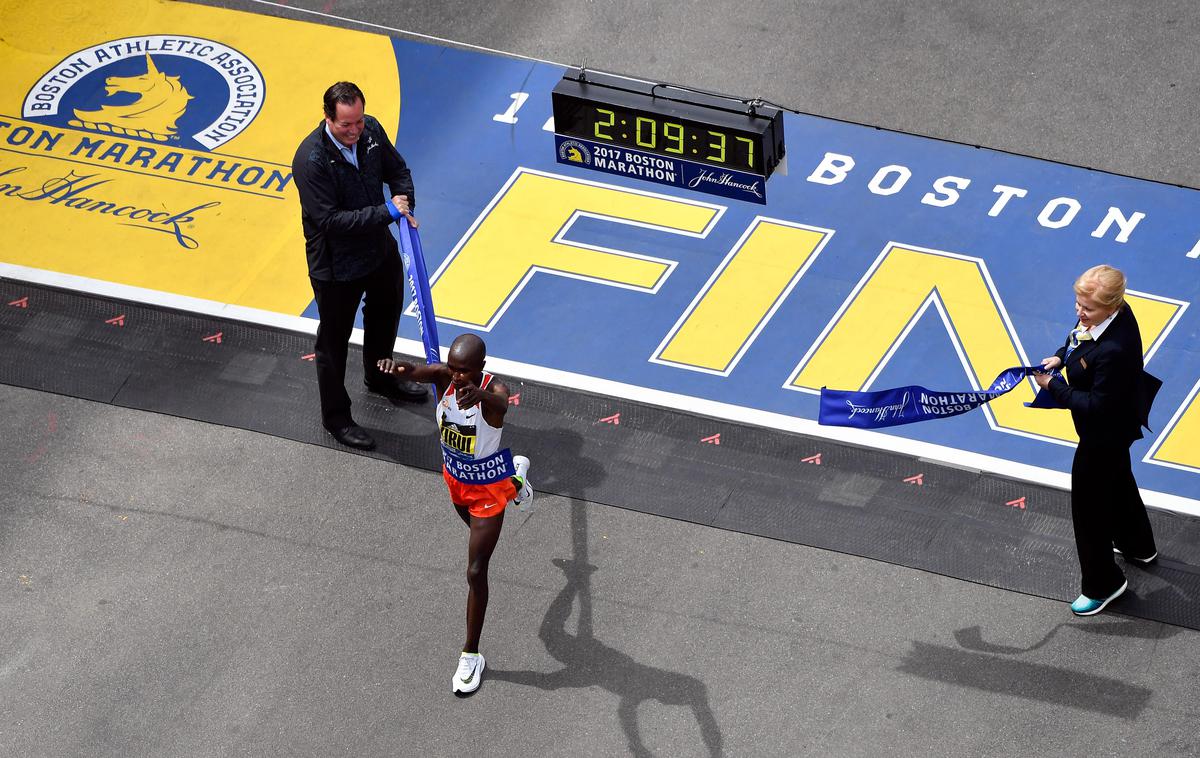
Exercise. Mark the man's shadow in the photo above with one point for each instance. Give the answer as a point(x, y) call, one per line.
point(586, 661)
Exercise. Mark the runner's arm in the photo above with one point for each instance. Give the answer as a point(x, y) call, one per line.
point(494, 401)
point(433, 373)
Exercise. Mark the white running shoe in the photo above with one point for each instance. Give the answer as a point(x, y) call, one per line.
point(524, 498)
point(469, 674)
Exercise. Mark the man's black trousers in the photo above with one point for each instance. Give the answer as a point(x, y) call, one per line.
point(337, 305)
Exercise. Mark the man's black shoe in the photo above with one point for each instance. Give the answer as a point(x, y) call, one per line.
point(353, 436)
point(396, 389)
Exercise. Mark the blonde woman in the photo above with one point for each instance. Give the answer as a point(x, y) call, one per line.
point(1109, 394)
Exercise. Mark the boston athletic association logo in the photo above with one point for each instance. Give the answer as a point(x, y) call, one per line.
point(183, 91)
point(127, 129)
point(575, 152)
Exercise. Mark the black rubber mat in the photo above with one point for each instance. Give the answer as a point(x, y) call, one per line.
point(876, 504)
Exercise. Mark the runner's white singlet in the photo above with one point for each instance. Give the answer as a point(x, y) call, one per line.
point(467, 431)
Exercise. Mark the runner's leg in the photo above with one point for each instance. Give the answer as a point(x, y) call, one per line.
point(485, 532)
point(463, 513)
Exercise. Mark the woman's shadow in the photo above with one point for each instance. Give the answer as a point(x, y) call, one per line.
point(586, 661)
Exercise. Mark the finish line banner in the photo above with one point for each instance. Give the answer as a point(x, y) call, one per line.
point(907, 405)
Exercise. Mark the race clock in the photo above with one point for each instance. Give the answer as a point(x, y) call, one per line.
point(616, 120)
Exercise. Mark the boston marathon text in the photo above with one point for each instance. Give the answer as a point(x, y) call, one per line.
point(635, 164)
point(210, 169)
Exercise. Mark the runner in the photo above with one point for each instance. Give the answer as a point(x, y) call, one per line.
point(482, 478)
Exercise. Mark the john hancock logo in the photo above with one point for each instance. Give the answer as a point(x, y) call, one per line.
point(574, 151)
point(725, 179)
point(156, 105)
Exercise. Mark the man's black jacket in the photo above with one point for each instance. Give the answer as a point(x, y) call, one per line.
point(343, 209)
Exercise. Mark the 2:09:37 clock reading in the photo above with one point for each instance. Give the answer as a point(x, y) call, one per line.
point(689, 141)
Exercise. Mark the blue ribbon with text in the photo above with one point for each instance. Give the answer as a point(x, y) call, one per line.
point(418, 287)
point(907, 405)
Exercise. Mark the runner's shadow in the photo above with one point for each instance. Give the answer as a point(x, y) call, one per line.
point(560, 465)
point(586, 661)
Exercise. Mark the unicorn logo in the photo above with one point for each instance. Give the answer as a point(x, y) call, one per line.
point(161, 101)
point(573, 151)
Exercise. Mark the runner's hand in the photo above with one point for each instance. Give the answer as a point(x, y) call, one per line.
point(468, 396)
point(396, 368)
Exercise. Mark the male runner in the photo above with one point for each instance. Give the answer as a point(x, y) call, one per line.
point(482, 477)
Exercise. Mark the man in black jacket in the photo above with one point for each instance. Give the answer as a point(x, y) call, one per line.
point(1109, 394)
point(339, 170)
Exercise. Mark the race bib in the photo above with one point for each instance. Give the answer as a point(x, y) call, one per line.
point(494, 468)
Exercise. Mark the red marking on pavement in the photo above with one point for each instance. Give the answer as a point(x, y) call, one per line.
point(514, 399)
point(40, 450)
point(614, 419)
point(713, 440)
point(328, 6)
point(22, 302)
point(814, 459)
point(116, 320)
point(309, 357)
point(214, 337)
point(918, 479)
point(1018, 503)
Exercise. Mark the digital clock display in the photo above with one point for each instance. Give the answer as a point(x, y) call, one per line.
point(609, 123)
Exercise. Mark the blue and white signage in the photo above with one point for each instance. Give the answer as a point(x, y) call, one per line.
point(651, 167)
